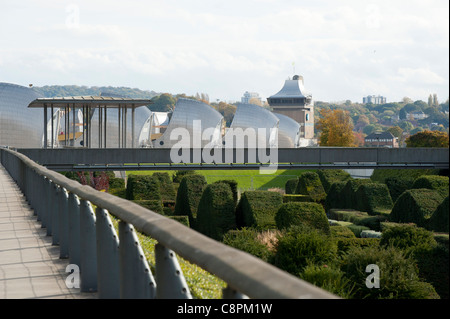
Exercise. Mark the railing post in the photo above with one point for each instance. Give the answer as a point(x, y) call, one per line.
point(74, 229)
point(55, 213)
point(49, 217)
point(45, 184)
point(107, 256)
point(63, 221)
point(170, 281)
point(88, 248)
point(136, 279)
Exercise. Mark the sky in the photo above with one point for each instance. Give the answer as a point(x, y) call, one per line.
point(344, 49)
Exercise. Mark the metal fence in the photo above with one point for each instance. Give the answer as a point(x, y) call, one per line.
point(114, 265)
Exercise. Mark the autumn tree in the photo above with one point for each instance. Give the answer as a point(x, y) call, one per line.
point(428, 139)
point(336, 128)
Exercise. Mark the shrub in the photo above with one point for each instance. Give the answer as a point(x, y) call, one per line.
point(257, 209)
point(381, 174)
point(188, 196)
point(397, 185)
point(246, 239)
point(215, 214)
point(233, 186)
point(296, 198)
point(398, 274)
point(291, 186)
point(153, 205)
point(334, 197)
point(178, 176)
point(296, 213)
point(309, 184)
point(358, 218)
point(348, 195)
point(374, 198)
point(438, 183)
point(296, 249)
point(143, 187)
point(181, 219)
point(166, 186)
point(116, 182)
point(408, 237)
point(345, 244)
point(439, 219)
point(119, 192)
point(330, 176)
point(338, 231)
point(357, 229)
point(415, 206)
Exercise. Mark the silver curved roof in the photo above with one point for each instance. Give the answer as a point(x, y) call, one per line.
point(257, 122)
point(20, 126)
point(188, 118)
point(292, 89)
point(288, 132)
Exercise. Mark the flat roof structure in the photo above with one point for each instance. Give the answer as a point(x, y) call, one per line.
point(87, 104)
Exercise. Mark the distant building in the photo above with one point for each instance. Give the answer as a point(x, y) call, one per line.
point(250, 95)
point(293, 101)
point(385, 139)
point(416, 115)
point(374, 99)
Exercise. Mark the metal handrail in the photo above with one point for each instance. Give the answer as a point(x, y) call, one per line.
point(244, 274)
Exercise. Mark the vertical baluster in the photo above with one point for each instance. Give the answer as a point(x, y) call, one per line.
point(88, 248)
point(49, 214)
point(74, 229)
point(55, 214)
point(170, 280)
point(63, 221)
point(136, 279)
point(107, 256)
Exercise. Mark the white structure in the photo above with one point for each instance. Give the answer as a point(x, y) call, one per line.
point(250, 95)
point(374, 99)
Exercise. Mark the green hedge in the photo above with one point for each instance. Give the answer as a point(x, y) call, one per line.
point(181, 219)
point(116, 182)
point(345, 244)
point(358, 218)
point(246, 239)
point(339, 231)
point(416, 206)
point(166, 186)
point(334, 197)
point(291, 186)
point(296, 198)
point(143, 187)
point(233, 186)
point(119, 192)
point(438, 183)
point(297, 214)
point(374, 198)
point(348, 197)
point(188, 196)
point(330, 176)
point(215, 214)
point(309, 184)
point(257, 209)
point(439, 219)
point(381, 174)
point(407, 237)
point(397, 185)
point(153, 205)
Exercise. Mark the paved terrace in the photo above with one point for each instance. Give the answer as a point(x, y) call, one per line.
point(30, 266)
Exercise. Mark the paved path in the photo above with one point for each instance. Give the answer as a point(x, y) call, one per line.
point(30, 266)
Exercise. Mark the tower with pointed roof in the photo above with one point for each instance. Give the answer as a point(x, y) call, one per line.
point(293, 101)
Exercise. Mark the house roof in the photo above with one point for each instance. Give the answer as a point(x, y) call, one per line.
point(380, 135)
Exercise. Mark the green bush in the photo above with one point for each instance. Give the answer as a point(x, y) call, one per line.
point(296, 198)
point(398, 274)
point(358, 218)
point(330, 176)
point(408, 238)
point(438, 183)
point(357, 229)
point(345, 244)
point(246, 240)
point(291, 186)
point(166, 186)
point(215, 214)
point(348, 195)
point(178, 176)
point(374, 198)
point(416, 206)
point(116, 182)
point(309, 184)
point(297, 213)
point(188, 196)
point(296, 249)
point(233, 186)
point(334, 197)
point(338, 231)
point(143, 187)
point(381, 174)
point(397, 185)
point(153, 205)
point(181, 219)
point(119, 192)
point(439, 219)
point(257, 209)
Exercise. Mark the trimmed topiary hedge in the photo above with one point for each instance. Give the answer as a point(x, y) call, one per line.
point(246, 239)
point(397, 185)
point(215, 214)
point(334, 197)
point(345, 244)
point(296, 198)
point(407, 236)
point(338, 231)
point(116, 182)
point(374, 198)
point(143, 187)
point(416, 206)
point(257, 209)
point(166, 186)
point(181, 219)
point(153, 205)
point(309, 184)
point(330, 176)
point(439, 219)
point(233, 186)
point(438, 183)
point(358, 218)
point(298, 214)
point(188, 196)
point(291, 186)
point(348, 197)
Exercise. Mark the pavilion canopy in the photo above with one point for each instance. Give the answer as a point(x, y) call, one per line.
point(89, 101)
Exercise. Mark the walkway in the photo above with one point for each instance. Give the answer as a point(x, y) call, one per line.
point(30, 266)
